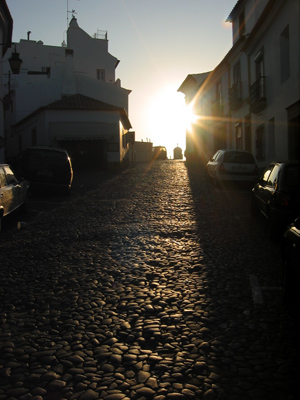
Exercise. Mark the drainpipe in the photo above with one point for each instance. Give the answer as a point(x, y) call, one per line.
point(229, 113)
point(249, 94)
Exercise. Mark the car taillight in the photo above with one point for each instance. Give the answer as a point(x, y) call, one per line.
point(282, 199)
point(222, 169)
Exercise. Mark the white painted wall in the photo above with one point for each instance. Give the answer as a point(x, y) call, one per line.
point(252, 10)
point(73, 69)
point(279, 95)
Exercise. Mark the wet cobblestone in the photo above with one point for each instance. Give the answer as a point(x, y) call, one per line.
point(155, 285)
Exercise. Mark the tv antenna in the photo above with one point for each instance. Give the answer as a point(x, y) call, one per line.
point(69, 12)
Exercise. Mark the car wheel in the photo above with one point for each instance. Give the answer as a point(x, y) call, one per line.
point(24, 207)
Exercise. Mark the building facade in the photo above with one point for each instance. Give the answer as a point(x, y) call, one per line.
point(6, 25)
point(68, 97)
point(251, 100)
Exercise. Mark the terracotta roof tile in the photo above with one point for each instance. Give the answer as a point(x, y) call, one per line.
point(79, 101)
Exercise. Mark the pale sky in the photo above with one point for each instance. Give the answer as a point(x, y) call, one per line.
point(158, 43)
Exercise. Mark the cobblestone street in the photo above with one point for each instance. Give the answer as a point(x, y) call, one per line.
point(153, 285)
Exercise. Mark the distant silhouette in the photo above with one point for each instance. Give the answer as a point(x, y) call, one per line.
point(178, 153)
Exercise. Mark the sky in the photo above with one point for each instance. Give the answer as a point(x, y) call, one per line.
point(158, 43)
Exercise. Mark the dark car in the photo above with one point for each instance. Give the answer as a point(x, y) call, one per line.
point(159, 153)
point(277, 194)
point(13, 192)
point(291, 266)
point(46, 168)
point(232, 165)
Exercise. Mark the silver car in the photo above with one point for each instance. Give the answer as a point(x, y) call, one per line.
point(232, 165)
point(13, 192)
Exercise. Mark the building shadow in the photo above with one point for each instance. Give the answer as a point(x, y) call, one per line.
point(247, 330)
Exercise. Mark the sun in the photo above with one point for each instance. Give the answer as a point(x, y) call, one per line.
point(190, 117)
point(169, 118)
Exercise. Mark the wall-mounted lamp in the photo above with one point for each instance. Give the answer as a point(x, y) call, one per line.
point(14, 61)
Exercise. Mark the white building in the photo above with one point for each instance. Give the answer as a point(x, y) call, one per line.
point(251, 100)
point(68, 97)
point(6, 24)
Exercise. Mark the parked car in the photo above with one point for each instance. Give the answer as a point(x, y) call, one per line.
point(291, 266)
point(13, 192)
point(46, 168)
point(277, 194)
point(159, 153)
point(232, 165)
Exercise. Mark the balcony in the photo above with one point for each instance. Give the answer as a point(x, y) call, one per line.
point(235, 96)
point(258, 95)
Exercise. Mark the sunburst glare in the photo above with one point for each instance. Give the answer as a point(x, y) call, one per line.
point(169, 118)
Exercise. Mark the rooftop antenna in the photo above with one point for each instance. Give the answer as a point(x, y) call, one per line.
point(68, 11)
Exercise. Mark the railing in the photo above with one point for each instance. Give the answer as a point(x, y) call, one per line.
point(258, 95)
point(100, 34)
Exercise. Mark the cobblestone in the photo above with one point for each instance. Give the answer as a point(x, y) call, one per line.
point(142, 288)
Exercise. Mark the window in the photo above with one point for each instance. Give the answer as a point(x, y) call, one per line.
point(260, 143)
point(273, 178)
point(46, 71)
point(219, 94)
point(237, 79)
point(267, 174)
point(242, 24)
point(33, 137)
point(271, 137)
point(248, 136)
point(238, 136)
point(259, 64)
point(101, 74)
point(216, 156)
point(124, 141)
point(2, 178)
point(285, 55)
point(11, 179)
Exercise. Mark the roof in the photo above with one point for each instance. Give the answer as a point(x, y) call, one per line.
point(233, 11)
point(81, 102)
point(84, 103)
point(192, 79)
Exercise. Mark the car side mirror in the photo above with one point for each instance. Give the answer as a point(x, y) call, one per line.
point(297, 223)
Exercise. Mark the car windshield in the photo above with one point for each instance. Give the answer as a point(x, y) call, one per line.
point(45, 159)
point(236, 157)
